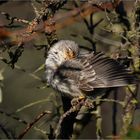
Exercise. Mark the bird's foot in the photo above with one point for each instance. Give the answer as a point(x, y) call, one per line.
point(77, 100)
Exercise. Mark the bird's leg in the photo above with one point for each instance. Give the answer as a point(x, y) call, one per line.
point(77, 100)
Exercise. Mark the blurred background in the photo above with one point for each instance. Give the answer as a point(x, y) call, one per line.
point(24, 93)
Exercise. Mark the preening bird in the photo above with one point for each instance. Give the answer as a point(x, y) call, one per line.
point(77, 75)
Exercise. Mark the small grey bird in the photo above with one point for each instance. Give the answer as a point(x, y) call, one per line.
point(76, 75)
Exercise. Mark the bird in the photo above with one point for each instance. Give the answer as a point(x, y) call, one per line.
point(76, 74)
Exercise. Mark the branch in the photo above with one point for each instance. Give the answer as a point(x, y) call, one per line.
point(30, 125)
point(72, 109)
point(21, 121)
point(129, 108)
point(98, 120)
point(61, 21)
point(12, 19)
point(5, 131)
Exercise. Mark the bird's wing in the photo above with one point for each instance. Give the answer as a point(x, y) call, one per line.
point(95, 71)
point(70, 69)
point(100, 72)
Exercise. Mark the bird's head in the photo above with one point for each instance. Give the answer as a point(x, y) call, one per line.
point(62, 51)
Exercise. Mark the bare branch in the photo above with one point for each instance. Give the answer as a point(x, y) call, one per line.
point(30, 125)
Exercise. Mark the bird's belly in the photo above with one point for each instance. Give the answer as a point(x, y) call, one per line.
point(66, 87)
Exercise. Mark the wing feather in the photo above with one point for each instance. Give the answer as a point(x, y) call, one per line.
point(107, 73)
point(95, 71)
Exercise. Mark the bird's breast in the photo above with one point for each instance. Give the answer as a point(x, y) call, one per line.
point(49, 74)
point(66, 86)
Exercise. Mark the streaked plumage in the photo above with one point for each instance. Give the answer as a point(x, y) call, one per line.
point(75, 75)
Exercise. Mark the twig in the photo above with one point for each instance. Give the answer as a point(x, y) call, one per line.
point(21, 121)
point(13, 117)
point(89, 26)
point(30, 125)
point(107, 40)
point(37, 19)
point(109, 100)
point(61, 21)
point(33, 103)
point(87, 104)
point(5, 131)
point(131, 91)
point(12, 19)
point(114, 114)
point(35, 9)
point(83, 117)
point(72, 109)
point(108, 18)
point(98, 121)
point(128, 112)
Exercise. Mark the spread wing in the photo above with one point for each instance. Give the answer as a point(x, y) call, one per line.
point(95, 71)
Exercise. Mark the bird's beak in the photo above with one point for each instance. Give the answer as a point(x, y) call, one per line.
point(69, 55)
